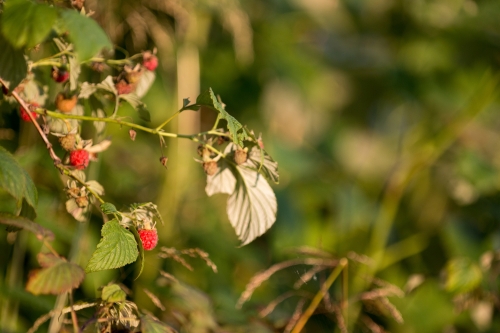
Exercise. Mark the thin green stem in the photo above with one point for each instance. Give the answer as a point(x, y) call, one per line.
point(216, 122)
point(168, 120)
point(53, 60)
point(319, 296)
point(117, 105)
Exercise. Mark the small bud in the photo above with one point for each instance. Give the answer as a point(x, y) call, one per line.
point(210, 167)
point(132, 134)
point(98, 66)
point(241, 155)
point(163, 161)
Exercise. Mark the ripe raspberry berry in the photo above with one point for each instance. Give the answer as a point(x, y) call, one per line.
point(60, 74)
point(24, 113)
point(79, 158)
point(149, 238)
point(150, 61)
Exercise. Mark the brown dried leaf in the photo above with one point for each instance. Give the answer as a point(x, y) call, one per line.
point(259, 278)
point(295, 316)
point(156, 301)
point(304, 278)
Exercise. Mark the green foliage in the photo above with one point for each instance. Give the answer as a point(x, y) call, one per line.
point(462, 275)
point(26, 23)
point(208, 99)
point(13, 67)
point(108, 208)
point(15, 180)
point(20, 222)
point(113, 293)
point(57, 276)
point(149, 324)
point(85, 33)
point(117, 248)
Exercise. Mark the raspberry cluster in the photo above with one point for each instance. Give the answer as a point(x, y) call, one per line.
point(79, 158)
point(149, 238)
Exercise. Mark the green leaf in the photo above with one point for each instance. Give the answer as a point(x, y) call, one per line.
point(150, 324)
point(15, 180)
point(235, 128)
point(117, 248)
point(108, 208)
point(144, 113)
point(24, 223)
point(13, 67)
point(113, 293)
point(251, 206)
point(462, 275)
point(58, 276)
point(141, 250)
point(26, 23)
point(85, 34)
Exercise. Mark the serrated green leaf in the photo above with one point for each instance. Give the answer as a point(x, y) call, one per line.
point(26, 23)
point(462, 275)
point(13, 67)
point(85, 34)
point(117, 248)
point(15, 180)
point(24, 223)
point(149, 324)
point(27, 211)
point(209, 99)
point(108, 208)
point(251, 206)
point(58, 276)
point(113, 293)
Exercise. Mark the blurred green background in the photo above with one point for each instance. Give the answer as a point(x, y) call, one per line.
point(383, 117)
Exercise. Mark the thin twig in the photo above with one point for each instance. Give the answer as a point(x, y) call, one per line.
point(53, 155)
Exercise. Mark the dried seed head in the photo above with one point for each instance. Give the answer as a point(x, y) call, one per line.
point(82, 202)
point(241, 155)
point(132, 134)
point(68, 142)
point(210, 167)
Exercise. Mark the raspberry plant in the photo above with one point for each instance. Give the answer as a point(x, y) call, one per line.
point(233, 157)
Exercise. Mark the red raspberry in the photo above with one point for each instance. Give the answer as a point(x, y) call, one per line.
point(150, 61)
point(149, 238)
point(122, 87)
point(24, 113)
point(60, 74)
point(79, 158)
